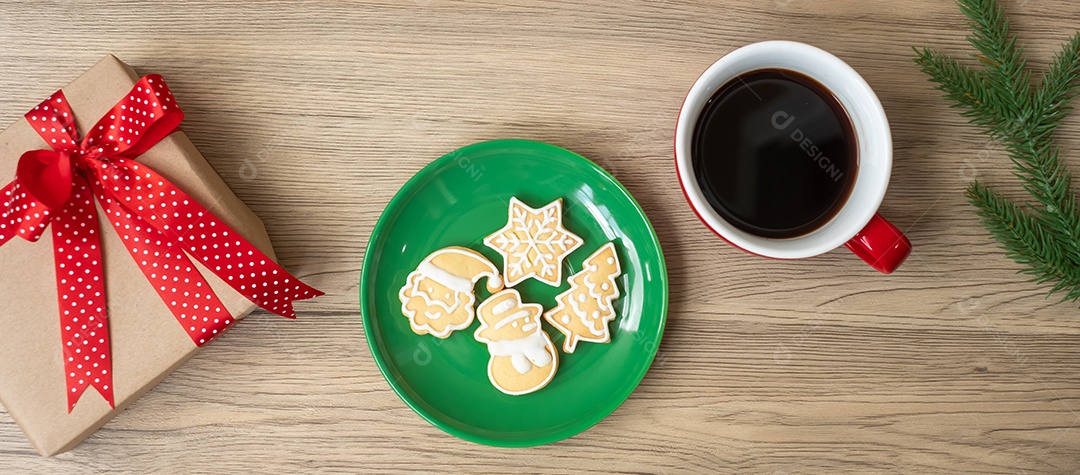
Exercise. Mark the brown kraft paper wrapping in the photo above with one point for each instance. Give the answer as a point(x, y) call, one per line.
point(147, 341)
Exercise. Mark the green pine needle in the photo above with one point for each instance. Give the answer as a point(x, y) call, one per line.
point(999, 98)
point(1025, 241)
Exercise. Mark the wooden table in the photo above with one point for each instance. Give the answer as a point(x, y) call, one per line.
point(316, 112)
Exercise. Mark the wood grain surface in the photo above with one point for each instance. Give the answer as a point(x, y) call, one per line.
point(316, 112)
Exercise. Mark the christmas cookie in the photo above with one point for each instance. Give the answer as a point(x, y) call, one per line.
point(438, 296)
point(523, 358)
point(533, 243)
point(584, 311)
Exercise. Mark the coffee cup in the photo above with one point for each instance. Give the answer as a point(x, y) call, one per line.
point(732, 196)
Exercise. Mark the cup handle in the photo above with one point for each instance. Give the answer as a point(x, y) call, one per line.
point(881, 245)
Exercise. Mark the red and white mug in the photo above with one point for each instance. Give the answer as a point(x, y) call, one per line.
point(857, 225)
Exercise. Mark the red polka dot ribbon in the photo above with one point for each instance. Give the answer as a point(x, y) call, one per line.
point(161, 226)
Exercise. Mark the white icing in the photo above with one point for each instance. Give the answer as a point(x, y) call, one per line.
point(510, 318)
point(412, 289)
point(584, 316)
point(574, 305)
point(540, 357)
point(521, 363)
point(533, 243)
point(548, 369)
point(596, 293)
point(533, 347)
point(504, 306)
point(443, 277)
point(432, 301)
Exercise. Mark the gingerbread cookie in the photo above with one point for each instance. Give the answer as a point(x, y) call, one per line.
point(584, 311)
point(523, 358)
point(533, 243)
point(438, 296)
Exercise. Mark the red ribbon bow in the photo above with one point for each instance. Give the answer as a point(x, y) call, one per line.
point(160, 225)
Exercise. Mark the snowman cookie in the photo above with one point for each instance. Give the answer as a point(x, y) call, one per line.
point(584, 311)
point(523, 358)
point(438, 296)
point(533, 243)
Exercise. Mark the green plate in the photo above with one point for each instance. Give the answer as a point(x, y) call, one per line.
point(458, 200)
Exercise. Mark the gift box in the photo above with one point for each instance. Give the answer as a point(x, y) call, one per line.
point(42, 379)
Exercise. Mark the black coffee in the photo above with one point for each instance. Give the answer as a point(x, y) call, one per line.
point(775, 153)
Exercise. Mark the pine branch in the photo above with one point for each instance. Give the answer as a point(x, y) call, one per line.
point(1025, 240)
point(1004, 59)
point(1000, 99)
point(968, 89)
point(1057, 88)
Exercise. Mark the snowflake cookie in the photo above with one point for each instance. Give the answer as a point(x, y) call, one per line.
point(533, 243)
point(584, 311)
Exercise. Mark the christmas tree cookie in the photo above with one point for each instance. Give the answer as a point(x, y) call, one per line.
point(523, 358)
point(584, 311)
point(533, 243)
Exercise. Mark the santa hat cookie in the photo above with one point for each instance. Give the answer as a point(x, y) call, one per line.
point(438, 296)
